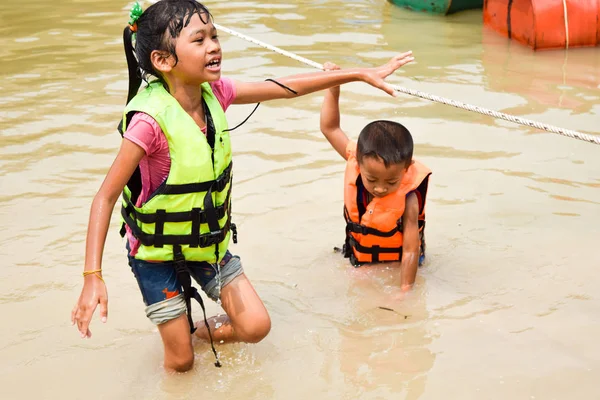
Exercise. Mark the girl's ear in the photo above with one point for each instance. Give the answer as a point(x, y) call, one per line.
point(162, 61)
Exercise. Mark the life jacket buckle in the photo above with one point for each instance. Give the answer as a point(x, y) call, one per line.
point(357, 228)
point(210, 239)
point(222, 179)
point(234, 233)
point(218, 186)
point(178, 257)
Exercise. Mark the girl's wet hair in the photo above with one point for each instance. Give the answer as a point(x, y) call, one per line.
point(157, 29)
point(387, 140)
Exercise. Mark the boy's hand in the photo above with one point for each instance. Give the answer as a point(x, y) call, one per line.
point(330, 116)
point(329, 66)
point(375, 76)
point(92, 294)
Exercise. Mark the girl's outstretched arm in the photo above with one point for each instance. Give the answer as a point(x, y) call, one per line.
point(94, 290)
point(330, 117)
point(312, 82)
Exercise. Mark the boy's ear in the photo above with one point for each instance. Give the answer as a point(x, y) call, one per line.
point(162, 61)
point(410, 163)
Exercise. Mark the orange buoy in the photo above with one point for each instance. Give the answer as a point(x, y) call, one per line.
point(545, 24)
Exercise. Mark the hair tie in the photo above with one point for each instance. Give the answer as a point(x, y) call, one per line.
point(134, 15)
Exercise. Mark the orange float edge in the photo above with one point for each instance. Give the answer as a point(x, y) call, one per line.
point(540, 24)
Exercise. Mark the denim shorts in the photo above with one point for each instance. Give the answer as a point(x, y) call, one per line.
point(162, 292)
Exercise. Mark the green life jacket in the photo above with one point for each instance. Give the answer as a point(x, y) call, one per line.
point(189, 214)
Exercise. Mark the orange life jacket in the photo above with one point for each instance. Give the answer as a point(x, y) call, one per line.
point(377, 235)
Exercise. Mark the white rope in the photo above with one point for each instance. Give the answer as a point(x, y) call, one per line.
point(496, 114)
point(566, 23)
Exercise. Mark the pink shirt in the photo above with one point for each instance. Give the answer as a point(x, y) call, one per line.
point(144, 131)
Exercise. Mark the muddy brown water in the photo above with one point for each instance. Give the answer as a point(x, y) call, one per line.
point(506, 306)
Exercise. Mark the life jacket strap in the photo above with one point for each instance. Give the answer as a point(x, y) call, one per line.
point(211, 213)
point(189, 292)
point(158, 239)
point(351, 244)
point(365, 230)
point(196, 216)
point(374, 251)
point(216, 185)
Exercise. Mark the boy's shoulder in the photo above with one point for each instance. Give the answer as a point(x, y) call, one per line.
point(419, 166)
point(351, 150)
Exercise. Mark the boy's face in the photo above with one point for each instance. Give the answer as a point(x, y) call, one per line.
point(378, 179)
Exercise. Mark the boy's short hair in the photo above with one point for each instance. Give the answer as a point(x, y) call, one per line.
point(387, 140)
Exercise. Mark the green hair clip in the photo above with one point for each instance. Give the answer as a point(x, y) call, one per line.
point(134, 15)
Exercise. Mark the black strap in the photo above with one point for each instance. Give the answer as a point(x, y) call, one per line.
point(198, 298)
point(183, 216)
point(354, 261)
point(196, 221)
point(244, 121)
point(351, 243)
point(352, 226)
point(159, 228)
point(374, 251)
point(131, 215)
point(282, 86)
point(217, 185)
point(189, 292)
point(187, 188)
point(369, 250)
point(209, 207)
point(213, 222)
point(211, 215)
point(365, 230)
point(202, 240)
point(211, 132)
point(258, 104)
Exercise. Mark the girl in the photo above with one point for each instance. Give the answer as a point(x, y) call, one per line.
point(174, 171)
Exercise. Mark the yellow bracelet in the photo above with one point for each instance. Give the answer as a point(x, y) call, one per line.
point(95, 272)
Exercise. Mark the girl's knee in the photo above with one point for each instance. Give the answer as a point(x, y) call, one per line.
point(179, 362)
point(255, 331)
point(179, 353)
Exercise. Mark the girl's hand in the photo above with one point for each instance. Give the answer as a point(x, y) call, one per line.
point(375, 76)
point(92, 294)
point(304, 84)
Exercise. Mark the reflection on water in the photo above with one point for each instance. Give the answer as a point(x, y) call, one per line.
point(504, 303)
point(386, 339)
point(548, 79)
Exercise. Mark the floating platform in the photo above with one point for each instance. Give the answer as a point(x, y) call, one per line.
point(439, 6)
point(546, 24)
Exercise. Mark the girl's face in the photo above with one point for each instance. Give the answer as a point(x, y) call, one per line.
point(199, 53)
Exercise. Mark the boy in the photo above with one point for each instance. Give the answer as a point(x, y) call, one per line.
point(384, 191)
